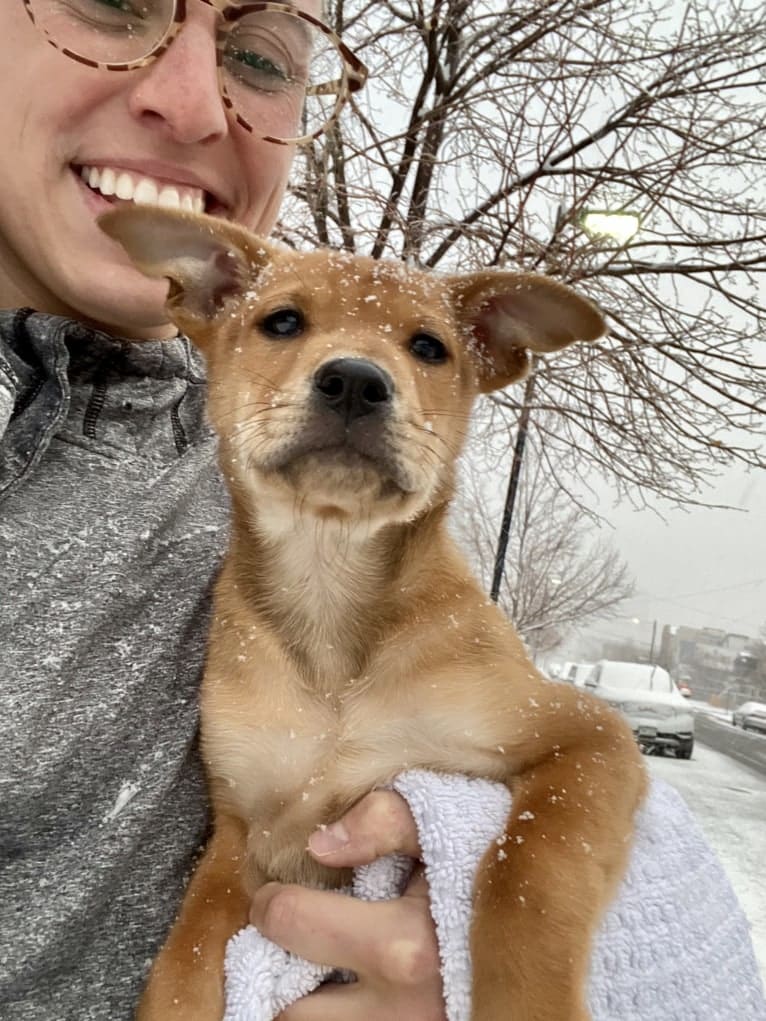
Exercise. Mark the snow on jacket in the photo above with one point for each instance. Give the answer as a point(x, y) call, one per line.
point(112, 524)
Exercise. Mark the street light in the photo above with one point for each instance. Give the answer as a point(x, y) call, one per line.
point(620, 226)
point(610, 223)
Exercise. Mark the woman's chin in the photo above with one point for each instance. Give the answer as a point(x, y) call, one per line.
point(126, 301)
point(131, 307)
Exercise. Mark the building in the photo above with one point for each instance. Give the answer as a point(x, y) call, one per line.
point(719, 666)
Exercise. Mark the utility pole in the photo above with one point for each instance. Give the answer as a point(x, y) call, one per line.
point(654, 638)
point(518, 450)
point(619, 225)
point(513, 485)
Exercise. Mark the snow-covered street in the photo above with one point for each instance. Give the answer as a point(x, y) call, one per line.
point(729, 801)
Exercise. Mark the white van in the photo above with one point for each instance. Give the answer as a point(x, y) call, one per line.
point(648, 697)
point(572, 673)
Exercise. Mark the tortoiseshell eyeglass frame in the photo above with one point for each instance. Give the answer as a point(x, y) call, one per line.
point(352, 80)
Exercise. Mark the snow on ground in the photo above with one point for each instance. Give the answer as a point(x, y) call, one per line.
point(709, 710)
point(729, 801)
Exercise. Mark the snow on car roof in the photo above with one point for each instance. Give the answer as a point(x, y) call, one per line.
point(642, 676)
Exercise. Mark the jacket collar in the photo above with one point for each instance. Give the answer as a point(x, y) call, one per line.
point(42, 357)
point(34, 390)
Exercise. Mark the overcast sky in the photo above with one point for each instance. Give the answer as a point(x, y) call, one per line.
point(700, 567)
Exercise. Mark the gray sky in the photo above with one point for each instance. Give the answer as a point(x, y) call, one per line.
point(700, 567)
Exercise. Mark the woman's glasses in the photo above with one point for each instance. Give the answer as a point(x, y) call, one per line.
point(283, 73)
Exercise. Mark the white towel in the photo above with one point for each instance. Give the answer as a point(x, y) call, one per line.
point(674, 945)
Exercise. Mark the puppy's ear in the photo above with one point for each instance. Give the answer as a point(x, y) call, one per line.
point(208, 262)
point(507, 315)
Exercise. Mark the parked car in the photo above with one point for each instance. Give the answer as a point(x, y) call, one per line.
point(683, 683)
point(649, 698)
point(575, 673)
point(750, 716)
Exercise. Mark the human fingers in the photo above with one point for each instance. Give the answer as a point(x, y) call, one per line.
point(360, 1000)
point(380, 824)
point(330, 1002)
point(386, 942)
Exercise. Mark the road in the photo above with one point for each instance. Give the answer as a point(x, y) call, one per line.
point(729, 801)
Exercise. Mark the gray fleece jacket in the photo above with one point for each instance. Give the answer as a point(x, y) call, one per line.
point(112, 524)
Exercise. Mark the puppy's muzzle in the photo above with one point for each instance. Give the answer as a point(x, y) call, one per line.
point(352, 388)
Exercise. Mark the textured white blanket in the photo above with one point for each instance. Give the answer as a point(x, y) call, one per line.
point(674, 945)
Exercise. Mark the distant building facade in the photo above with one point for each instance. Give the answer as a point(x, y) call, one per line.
point(718, 665)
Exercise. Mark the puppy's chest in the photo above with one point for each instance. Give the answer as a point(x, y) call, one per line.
point(289, 766)
point(312, 759)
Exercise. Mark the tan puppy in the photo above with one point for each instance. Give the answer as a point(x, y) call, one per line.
point(350, 641)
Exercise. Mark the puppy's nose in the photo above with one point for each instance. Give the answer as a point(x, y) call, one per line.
point(353, 387)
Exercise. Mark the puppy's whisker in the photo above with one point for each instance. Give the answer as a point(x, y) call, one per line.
point(238, 418)
point(258, 408)
point(298, 506)
point(425, 434)
point(421, 427)
point(402, 436)
point(259, 377)
point(261, 421)
point(441, 413)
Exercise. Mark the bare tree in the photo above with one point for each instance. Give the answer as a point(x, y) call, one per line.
point(558, 577)
point(485, 132)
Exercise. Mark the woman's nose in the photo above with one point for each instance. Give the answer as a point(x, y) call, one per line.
point(179, 90)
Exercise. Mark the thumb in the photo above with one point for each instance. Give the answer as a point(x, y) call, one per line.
point(380, 824)
point(418, 884)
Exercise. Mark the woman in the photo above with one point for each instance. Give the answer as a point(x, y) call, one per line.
point(113, 515)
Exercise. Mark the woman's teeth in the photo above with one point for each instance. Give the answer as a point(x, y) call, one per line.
point(143, 190)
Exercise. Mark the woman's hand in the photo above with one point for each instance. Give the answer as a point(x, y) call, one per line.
point(390, 945)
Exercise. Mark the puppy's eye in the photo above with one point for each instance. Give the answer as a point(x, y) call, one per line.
point(428, 348)
point(283, 324)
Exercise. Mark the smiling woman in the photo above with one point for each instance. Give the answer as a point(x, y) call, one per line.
point(165, 121)
point(210, 89)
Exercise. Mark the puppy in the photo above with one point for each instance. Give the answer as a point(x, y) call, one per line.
point(350, 640)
